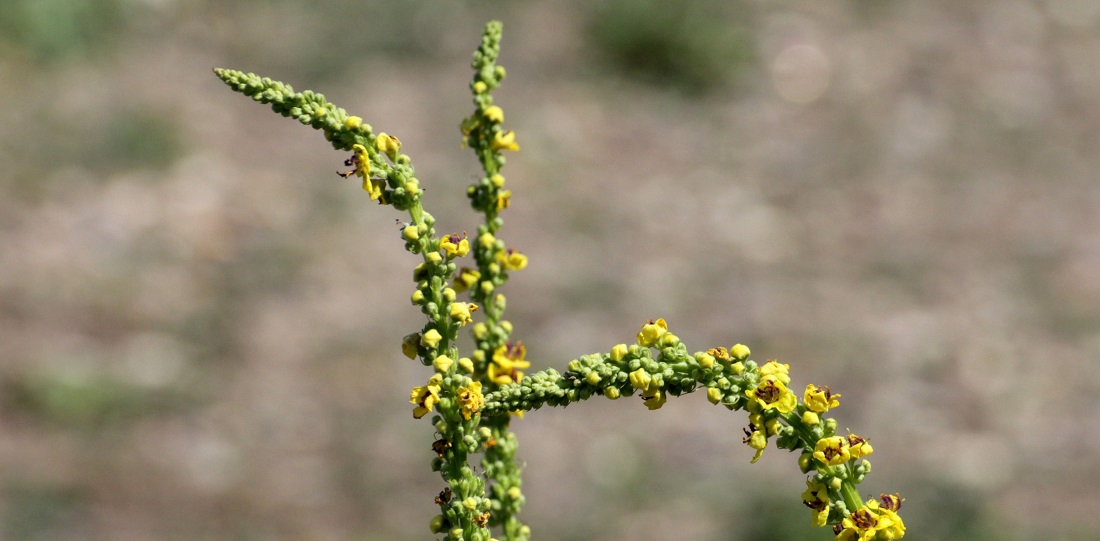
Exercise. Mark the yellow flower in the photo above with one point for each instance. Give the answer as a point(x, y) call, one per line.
point(470, 399)
point(409, 345)
point(455, 245)
point(504, 141)
point(426, 397)
point(820, 399)
point(466, 279)
point(376, 189)
point(816, 498)
point(652, 332)
point(618, 352)
point(714, 395)
point(757, 440)
point(504, 199)
point(480, 87)
point(353, 123)
point(775, 368)
point(431, 338)
point(495, 114)
point(486, 240)
point(388, 145)
point(654, 398)
point(466, 365)
point(705, 360)
point(507, 363)
point(460, 312)
point(740, 352)
point(650, 386)
point(859, 447)
point(442, 364)
point(832, 451)
point(498, 180)
point(640, 379)
point(810, 418)
point(512, 260)
point(410, 233)
point(772, 393)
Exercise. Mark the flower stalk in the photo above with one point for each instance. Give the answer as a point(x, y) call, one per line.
point(473, 399)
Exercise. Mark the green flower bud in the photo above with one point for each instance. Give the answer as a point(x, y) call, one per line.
point(437, 524)
point(714, 395)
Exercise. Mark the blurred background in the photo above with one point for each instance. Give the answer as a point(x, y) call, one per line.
point(200, 322)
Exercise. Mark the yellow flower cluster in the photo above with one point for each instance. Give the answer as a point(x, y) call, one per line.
point(873, 521)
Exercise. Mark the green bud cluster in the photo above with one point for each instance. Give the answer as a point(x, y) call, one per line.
point(307, 107)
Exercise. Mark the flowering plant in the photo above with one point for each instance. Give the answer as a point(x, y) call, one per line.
point(474, 397)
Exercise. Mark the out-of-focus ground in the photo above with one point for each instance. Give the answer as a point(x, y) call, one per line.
point(200, 322)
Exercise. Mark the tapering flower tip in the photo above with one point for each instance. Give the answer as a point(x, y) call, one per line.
point(410, 345)
point(740, 352)
point(652, 332)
